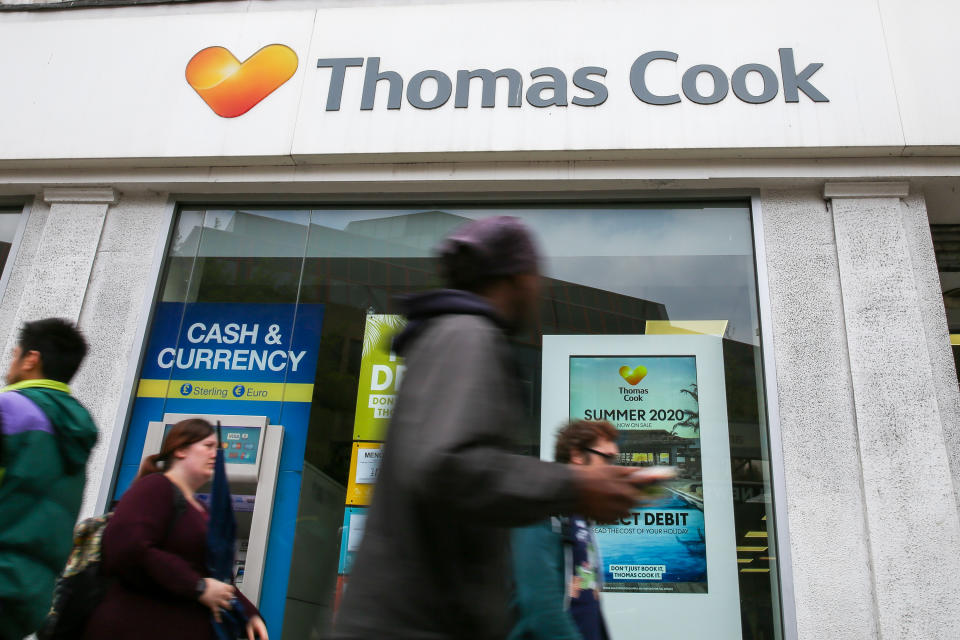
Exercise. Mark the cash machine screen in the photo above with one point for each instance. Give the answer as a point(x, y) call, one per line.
point(240, 444)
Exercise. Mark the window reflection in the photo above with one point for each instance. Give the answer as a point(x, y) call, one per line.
point(609, 269)
point(946, 246)
point(9, 221)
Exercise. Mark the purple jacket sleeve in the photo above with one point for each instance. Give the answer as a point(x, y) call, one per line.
point(132, 538)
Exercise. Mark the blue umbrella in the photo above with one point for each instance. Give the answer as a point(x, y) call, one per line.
point(221, 543)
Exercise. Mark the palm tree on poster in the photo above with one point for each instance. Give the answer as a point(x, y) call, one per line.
point(380, 331)
point(691, 419)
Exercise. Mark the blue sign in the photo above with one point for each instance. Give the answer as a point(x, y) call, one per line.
point(235, 359)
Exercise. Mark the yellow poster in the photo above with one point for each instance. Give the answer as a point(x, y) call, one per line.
point(381, 372)
point(364, 468)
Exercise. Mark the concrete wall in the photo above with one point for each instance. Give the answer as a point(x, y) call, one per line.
point(933, 316)
point(868, 408)
point(832, 574)
point(88, 256)
point(121, 279)
point(911, 505)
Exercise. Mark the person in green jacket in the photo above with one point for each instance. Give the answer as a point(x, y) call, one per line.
point(45, 440)
point(557, 572)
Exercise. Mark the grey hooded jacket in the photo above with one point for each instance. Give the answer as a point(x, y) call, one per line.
point(434, 561)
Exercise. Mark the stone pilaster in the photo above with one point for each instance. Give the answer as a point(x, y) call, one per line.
point(58, 273)
point(832, 580)
point(911, 508)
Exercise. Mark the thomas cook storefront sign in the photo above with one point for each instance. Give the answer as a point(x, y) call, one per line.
point(353, 83)
point(231, 88)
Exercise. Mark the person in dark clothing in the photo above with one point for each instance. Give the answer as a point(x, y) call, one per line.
point(556, 563)
point(157, 553)
point(45, 440)
point(434, 560)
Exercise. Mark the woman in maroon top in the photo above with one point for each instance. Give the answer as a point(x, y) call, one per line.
point(159, 555)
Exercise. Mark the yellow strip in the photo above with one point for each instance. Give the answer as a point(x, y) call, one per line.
point(755, 534)
point(687, 327)
point(217, 390)
point(359, 494)
point(298, 392)
point(955, 339)
point(744, 560)
point(746, 570)
point(152, 388)
point(751, 549)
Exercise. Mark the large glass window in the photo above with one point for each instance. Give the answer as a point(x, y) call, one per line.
point(946, 245)
point(9, 221)
point(610, 270)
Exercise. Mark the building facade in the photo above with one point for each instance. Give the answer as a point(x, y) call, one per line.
point(228, 196)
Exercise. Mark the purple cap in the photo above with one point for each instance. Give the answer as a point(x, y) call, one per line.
point(498, 246)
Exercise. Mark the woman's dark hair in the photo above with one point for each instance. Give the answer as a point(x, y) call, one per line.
point(60, 345)
point(577, 435)
point(183, 434)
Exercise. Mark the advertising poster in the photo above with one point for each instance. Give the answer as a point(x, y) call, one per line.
point(672, 562)
point(228, 358)
point(652, 400)
point(364, 468)
point(235, 359)
point(381, 373)
point(354, 521)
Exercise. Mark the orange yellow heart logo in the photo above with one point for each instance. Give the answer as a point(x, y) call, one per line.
point(230, 87)
point(633, 376)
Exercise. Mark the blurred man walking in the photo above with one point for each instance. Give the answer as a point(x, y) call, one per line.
point(45, 440)
point(434, 561)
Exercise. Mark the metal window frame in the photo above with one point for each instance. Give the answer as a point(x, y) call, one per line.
point(788, 607)
point(788, 614)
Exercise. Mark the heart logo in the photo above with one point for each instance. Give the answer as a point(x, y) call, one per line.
point(635, 376)
point(230, 87)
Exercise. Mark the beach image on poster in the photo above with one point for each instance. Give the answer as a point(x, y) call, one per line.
point(671, 566)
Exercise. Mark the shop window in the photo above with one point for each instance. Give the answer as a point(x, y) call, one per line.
point(9, 222)
point(610, 270)
point(946, 245)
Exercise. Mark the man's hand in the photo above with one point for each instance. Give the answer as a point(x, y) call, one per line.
point(606, 493)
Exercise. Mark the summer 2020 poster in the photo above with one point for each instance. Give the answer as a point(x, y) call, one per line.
point(672, 562)
point(653, 402)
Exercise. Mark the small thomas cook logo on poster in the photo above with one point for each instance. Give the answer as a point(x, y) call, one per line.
point(230, 87)
point(633, 376)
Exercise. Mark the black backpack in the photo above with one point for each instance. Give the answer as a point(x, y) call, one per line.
point(81, 586)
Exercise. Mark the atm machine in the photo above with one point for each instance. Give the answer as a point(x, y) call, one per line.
point(252, 455)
